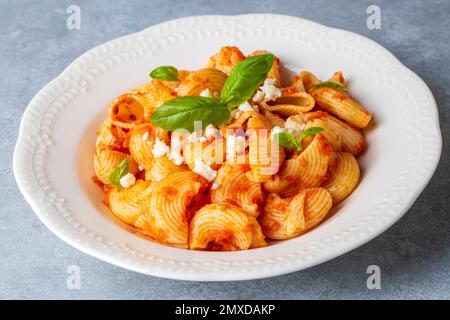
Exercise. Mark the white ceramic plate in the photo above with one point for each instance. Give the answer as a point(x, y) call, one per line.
point(53, 156)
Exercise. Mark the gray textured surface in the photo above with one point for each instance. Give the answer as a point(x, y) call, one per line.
point(414, 255)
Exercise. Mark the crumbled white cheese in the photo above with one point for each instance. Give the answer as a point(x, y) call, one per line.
point(141, 168)
point(127, 180)
point(175, 143)
point(267, 92)
point(204, 170)
point(215, 186)
point(258, 97)
point(159, 148)
point(235, 144)
point(145, 136)
point(235, 113)
point(175, 157)
point(276, 130)
point(246, 106)
point(176, 147)
point(206, 93)
point(294, 124)
point(211, 131)
point(193, 137)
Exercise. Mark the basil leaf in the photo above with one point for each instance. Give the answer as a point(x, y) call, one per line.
point(310, 132)
point(118, 172)
point(168, 73)
point(331, 84)
point(287, 140)
point(180, 113)
point(245, 78)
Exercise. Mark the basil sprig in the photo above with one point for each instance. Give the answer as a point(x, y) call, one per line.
point(244, 79)
point(289, 141)
point(118, 172)
point(182, 112)
point(168, 73)
point(331, 84)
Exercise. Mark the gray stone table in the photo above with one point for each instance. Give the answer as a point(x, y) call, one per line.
point(35, 46)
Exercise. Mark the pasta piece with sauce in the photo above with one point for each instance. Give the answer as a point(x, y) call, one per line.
point(224, 227)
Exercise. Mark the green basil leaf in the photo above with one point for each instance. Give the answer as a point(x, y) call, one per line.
point(180, 113)
point(310, 132)
point(118, 172)
point(245, 78)
point(287, 140)
point(331, 84)
point(168, 73)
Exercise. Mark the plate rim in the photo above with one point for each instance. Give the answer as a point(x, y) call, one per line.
point(32, 198)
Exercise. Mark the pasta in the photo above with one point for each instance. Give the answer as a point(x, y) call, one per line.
point(222, 226)
point(225, 158)
point(290, 217)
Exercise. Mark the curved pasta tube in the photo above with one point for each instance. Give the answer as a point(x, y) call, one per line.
point(239, 122)
point(226, 59)
point(142, 139)
point(293, 216)
point(318, 203)
point(274, 119)
point(292, 102)
point(333, 137)
point(152, 95)
point(302, 171)
point(173, 85)
point(232, 186)
point(283, 218)
point(202, 79)
point(342, 105)
point(338, 77)
point(224, 227)
point(127, 110)
point(265, 156)
point(344, 177)
point(128, 204)
point(105, 135)
point(352, 138)
point(304, 81)
point(167, 209)
point(274, 72)
point(106, 159)
point(160, 168)
point(210, 152)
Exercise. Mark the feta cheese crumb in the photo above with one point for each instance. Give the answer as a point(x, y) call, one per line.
point(294, 124)
point(204, 170)
point(193, 137)
point(235, 144)
point(211, 131)
point(267, 92)
point(276, 130)
point(145, 136)
point(176, 147)
point(141, 168)
point(206, 93)
point(246, 106)
point(127, 180)
point(159, 148)
point(175, 157)
point(235, 113)
point(258, 97)
point(215, 186)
